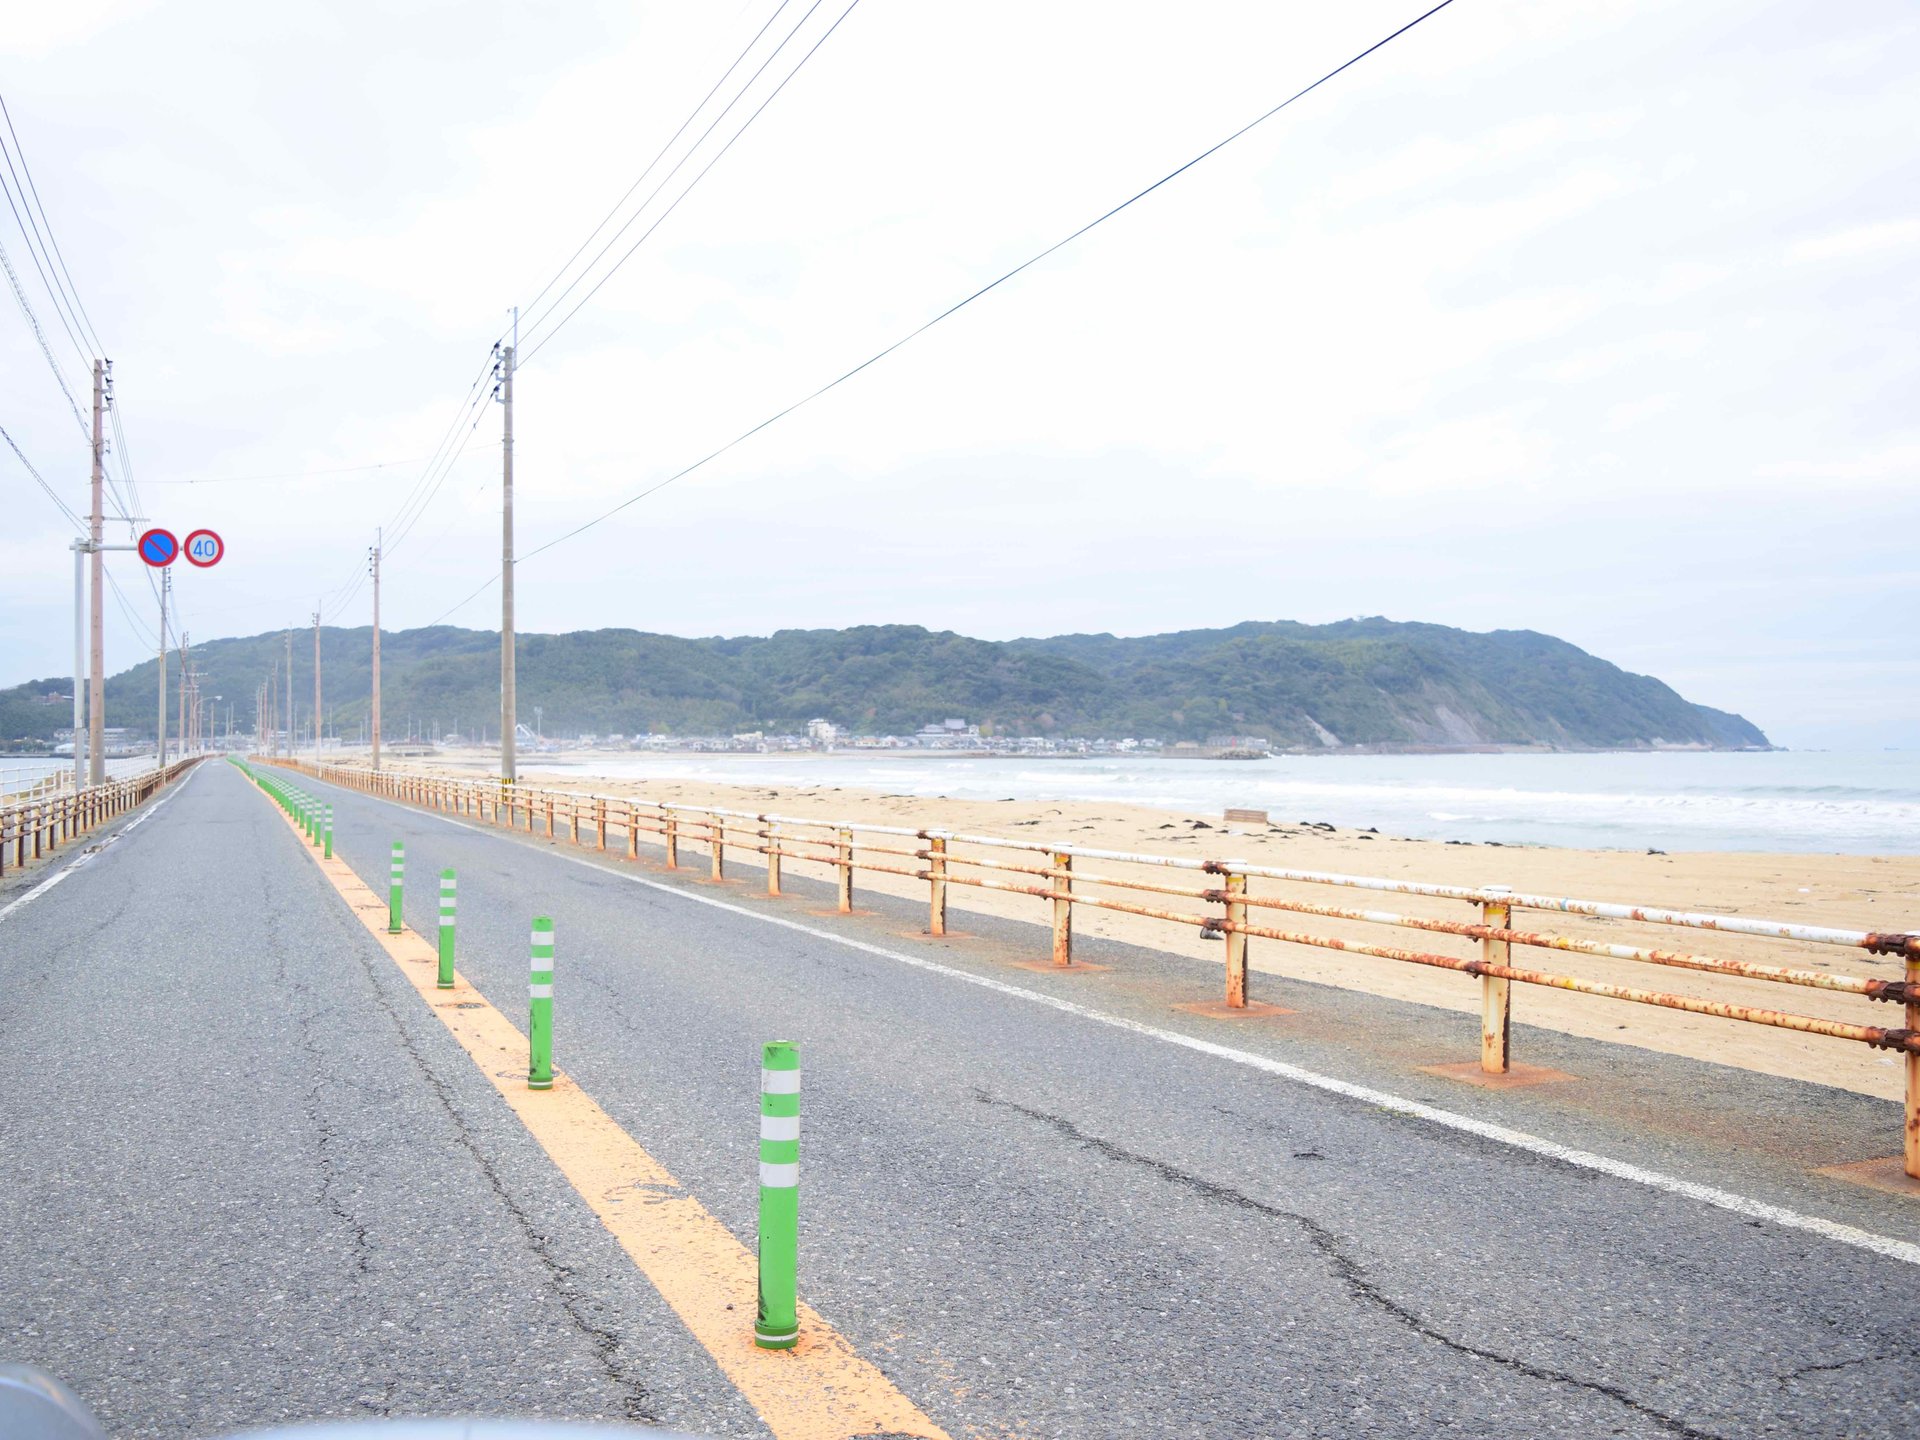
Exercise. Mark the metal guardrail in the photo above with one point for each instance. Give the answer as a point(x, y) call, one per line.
point(1225, 908)
point(37, 826)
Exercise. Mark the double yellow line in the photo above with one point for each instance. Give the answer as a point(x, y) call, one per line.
point(819, 1390)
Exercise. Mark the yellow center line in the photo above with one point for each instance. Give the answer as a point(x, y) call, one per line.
point(819, 1390)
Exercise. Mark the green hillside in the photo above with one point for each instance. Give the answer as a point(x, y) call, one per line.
point(1359, 682)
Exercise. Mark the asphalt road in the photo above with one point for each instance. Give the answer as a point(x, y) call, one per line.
point(246, 1177)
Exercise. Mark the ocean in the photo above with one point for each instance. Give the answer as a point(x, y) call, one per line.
point(1822, 801)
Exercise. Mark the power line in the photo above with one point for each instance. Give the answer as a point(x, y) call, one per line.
point(30, 232)
point(419, 499)
point(33, 321)
point(52, 494)
point(958, 305)
point(990, 285)
point(72, 289)
point(536, 322)
point(691, 116)
point(140, 626)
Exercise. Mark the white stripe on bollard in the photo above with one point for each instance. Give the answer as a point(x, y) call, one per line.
point(540, 992)
point(779, 1127)
point(779, 1082)
point(780, 1177)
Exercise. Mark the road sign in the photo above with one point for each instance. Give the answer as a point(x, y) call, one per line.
point(205, 548)
point(159, 547)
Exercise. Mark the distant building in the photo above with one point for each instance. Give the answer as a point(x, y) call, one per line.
point(822, 732)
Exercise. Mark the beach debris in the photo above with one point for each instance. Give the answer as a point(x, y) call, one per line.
point(1652, 851)
point(1200, 825)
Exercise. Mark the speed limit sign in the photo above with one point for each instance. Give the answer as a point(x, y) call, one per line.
point(204, 548)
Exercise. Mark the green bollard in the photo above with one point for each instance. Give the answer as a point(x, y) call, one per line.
point(329, 833)
point(777, 1324)
point(395, 876)
point(540, 1008)
point(445, 981)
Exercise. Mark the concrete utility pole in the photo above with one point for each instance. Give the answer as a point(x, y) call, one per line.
point(508, 704)
point(375, 717)
point(289, 694)
point(317, 712)
point(96, 681)
point(181, 725)
point(160, 731)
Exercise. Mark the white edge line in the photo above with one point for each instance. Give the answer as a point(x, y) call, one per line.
point(1902, 1250)
point(90, 854)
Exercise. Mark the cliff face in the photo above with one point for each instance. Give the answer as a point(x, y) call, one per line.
point(1360, 682)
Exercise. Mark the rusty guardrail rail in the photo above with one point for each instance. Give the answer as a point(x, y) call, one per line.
point(40, 824)
point(1227, 906)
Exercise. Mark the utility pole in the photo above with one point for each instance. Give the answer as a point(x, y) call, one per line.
point(508, 703)
point(290, 694)
point(160, 731)
point(96, 681)
point(181, 725)
point(316, 687)
point(273, 708)
point(375, 717)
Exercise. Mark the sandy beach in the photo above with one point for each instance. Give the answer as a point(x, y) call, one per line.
point(1862, 892)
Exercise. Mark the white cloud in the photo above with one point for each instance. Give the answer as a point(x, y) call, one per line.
point(1857, 240)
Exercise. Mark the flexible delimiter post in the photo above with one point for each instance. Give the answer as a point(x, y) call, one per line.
point(395, 876)
point(445, 982)
point(777, 1324)
point(540, 1008)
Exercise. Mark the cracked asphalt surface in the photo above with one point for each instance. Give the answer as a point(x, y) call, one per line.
point(246, 1178)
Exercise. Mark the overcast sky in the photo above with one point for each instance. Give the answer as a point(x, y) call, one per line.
point(1593, 319)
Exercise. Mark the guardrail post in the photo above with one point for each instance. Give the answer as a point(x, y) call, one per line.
point(600, 823)
point(445, 979)
point(717, 846)
point(1913, 1067)
point(395, 875)
point(672, 823)
point(843, 847)
point(776, 1323)
point(936, 884)
point(1236, 942)
point(1063, 909)
point(540, 1008)
point(771, 833)
point(574, 827)
point(633, 831)
point(1496, 998)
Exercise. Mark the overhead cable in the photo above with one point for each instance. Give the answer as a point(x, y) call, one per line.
point(747, 124)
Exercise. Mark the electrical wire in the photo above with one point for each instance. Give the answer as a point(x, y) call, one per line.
point(73, 290)
point(52, 494)
point(691, 116)
point(983, 290)
point(33, 321)
point(30, 232)
point(538, 320)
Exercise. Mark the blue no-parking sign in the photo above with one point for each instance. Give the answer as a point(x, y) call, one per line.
point(159, 547)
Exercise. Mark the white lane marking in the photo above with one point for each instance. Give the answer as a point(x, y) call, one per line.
point(1902, 1250)
point(93, 852)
